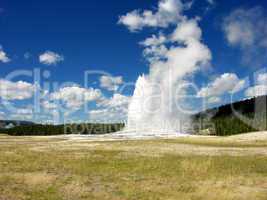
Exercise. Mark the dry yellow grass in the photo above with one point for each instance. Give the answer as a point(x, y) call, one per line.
point(184, 168)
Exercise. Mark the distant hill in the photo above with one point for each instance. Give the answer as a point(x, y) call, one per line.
point(14, 123)
point(226, 120)
point(248, 106)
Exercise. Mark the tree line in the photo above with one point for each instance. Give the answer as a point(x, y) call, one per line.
point(47, 130)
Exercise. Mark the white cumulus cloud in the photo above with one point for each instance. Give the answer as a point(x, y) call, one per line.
point(154, 40)
point(50, 58)
point(226, 83)
point(3, 56)
point(48, 105)
point(179, 60)
point(262, 79)
point(260, 88)
point(74, 96)
point(16, 90)
point(168, 12)
point(114, 109)
point(24, 111)
point(111, 83)
point(117, 100)
point(246, 29)
point(257, 90)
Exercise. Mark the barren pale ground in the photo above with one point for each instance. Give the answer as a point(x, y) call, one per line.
point(183, 168)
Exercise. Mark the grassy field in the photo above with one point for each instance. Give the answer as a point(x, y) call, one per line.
point(197, 168)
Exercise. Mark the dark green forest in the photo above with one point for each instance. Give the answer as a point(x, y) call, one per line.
point(43, 130)
point(236, 118)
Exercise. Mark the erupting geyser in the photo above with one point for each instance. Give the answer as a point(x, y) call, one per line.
point(158, 105)
point(150, 111)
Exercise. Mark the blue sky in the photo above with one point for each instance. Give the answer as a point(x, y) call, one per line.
point(67, 39)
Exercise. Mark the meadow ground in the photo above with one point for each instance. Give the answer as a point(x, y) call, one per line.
point(196, 168)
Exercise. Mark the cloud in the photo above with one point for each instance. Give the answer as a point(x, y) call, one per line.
point(20, 117)
point(16, 90)
point(27, 55)
point(74, 97)
point(24, 111)
point(239, 28)
point(246, 29)
point(168, 12)
point(114, 109)
point(108, 115)
point(154, 40)
point(49, 105)
point(260, 88)
point(111, 83)
point(101, 114)
point(184, 56)
point(3, 56)
point(2, 115)
point(257, 90)
point(50, 58)
point(21, 113)
point(187, 31)
point(155, 48)
point(213, 100)
point(211, 2)
point(226, 83)
point(155, 53)
point(117, 100)
point(262, 79)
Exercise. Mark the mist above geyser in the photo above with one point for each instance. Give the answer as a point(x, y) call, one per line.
point(174, 57)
